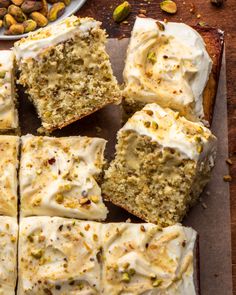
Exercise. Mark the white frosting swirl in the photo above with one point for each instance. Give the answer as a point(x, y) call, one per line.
point(170, 67)
point(191, 139)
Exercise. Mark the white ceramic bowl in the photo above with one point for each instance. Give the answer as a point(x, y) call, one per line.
point(74, 6)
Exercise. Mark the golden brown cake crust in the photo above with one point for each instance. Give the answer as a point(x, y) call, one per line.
point(214, 40)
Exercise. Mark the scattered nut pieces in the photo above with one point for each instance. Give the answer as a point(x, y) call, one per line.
point(229, 162)
point(169, 6)
point(121, 12)
point(227, 178)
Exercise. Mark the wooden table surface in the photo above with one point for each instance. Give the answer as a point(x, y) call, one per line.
point(223, 18)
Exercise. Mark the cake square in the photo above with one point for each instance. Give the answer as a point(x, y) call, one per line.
point(66, 71)
point(9, 146)
point(142, 259)
point(59, 177)
point(163, 162)
point(8, 254)
point(58, 256)
point(171, 65)
point(8, 112)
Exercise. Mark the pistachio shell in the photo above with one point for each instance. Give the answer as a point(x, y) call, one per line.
point(39, 18)
point(17, 2)
point(5, 3)
point(56, 11)
point(3, 11)
point(29, 25)
point(8, 21)
point(44, 9)
point(17, 13)
point(169, 6)
point(16, 29)
point(121, 12)
point(31, 6)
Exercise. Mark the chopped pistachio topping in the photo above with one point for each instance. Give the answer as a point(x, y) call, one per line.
point(37, 254)
point(2, 74)
point(152, 57)
point(59, 198)
point(125, 277)
point(157, 282)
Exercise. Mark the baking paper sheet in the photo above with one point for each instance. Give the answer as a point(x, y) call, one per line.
point(211, 217)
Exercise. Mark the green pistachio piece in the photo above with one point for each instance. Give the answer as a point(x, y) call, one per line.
point(121, 12)
point(169, 6)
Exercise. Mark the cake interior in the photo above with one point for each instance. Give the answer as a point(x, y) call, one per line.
point(70, 80)
point(151, 182)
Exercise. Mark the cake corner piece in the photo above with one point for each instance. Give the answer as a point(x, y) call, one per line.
point(162, 163)
point(69, 69)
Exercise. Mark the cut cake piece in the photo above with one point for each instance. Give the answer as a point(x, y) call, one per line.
point(8, 254)
point(58, 256)
point(58, 177)
point(9, 146)
point(142, 259)
point(169, 64)
point(162, 163)
point(8, 112)
point(66, 71)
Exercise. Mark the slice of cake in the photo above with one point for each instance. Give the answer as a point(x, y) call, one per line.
point(67, 256)
point(58, 256)
point(163, 161)
point(8, 112)
point(8, 260)
point(142, 259)
point(66, 71)
point(169, 64)
point(8, 174)
point(58, 177)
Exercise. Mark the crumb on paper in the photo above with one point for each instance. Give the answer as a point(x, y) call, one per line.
point(227, 178)
point(128, 220)
point(229, 161)
point(204, 205)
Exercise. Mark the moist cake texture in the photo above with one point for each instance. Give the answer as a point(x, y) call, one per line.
point(8, 112)
point(66, 256)
point(167, 63)
point(58, 177)
point(8, 174)
point(162, 163)
point(8, 260)
point(66, 71)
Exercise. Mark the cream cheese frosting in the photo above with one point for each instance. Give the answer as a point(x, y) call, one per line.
point(52, 35)
point(142, 259)
point(8, 112)
point(167, 63)
point(66, 256)
point(58, 255)
point(8, 174)
point(58, 177)
point(170, 130)
point(8, 246)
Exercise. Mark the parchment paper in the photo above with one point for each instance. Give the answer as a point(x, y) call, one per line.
point(211, 217)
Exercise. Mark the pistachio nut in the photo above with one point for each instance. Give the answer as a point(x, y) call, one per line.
point(160, 25)
point(31, 6)
point(16, 29)
point(121, 12)
point(44, 9)
point(17, 13)
point(3, 11)
point(8, 21)
point(5, 3)
point(17, 2)
point(2, 74)
point(39, 18)
point(169, 6)
point(53, 1)
point(29, 25)
point(1, 23)
point(56, 11)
